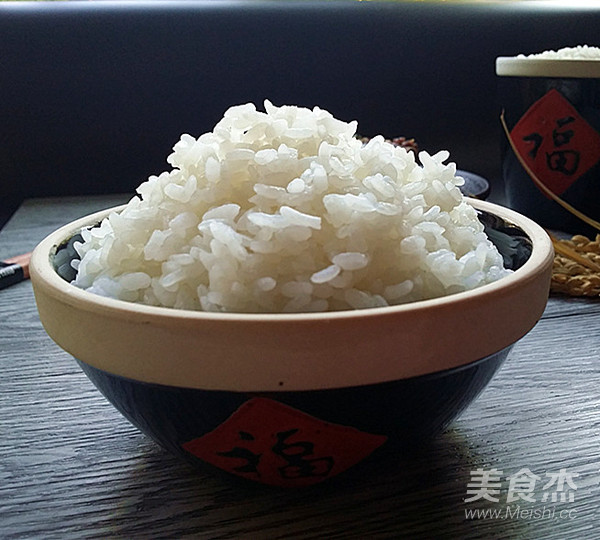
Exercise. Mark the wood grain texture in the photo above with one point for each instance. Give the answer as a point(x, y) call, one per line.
point(72, 467)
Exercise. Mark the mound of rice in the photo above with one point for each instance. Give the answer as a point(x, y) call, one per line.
point(580, 52)
point(286, 211)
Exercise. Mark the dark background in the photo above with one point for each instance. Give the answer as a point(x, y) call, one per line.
point(93, 95)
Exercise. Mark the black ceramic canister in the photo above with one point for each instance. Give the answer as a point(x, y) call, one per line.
point(552, 109)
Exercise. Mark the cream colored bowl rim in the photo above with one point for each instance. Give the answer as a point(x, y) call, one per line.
point(516, 66)
point(264, 352)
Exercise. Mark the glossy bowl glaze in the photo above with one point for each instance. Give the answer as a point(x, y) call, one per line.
point(293, 399)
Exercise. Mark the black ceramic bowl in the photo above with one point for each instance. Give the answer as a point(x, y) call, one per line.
point(293, 399)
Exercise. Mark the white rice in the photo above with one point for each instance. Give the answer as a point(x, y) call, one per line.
point(287, 211)
point(580, 52)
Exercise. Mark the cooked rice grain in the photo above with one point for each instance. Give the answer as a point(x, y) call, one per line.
point(287, 211)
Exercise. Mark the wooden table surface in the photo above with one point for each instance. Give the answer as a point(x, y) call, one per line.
point(72, 467)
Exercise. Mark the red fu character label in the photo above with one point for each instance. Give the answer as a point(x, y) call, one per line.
point(269, 442)
point(556, 142)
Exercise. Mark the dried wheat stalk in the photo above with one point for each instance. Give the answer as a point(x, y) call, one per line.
point(576, 269)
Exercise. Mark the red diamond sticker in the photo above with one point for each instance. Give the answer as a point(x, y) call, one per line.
point(556, 142)
point(269, 442)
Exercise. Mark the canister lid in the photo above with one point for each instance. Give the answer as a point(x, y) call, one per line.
point(523, 66)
